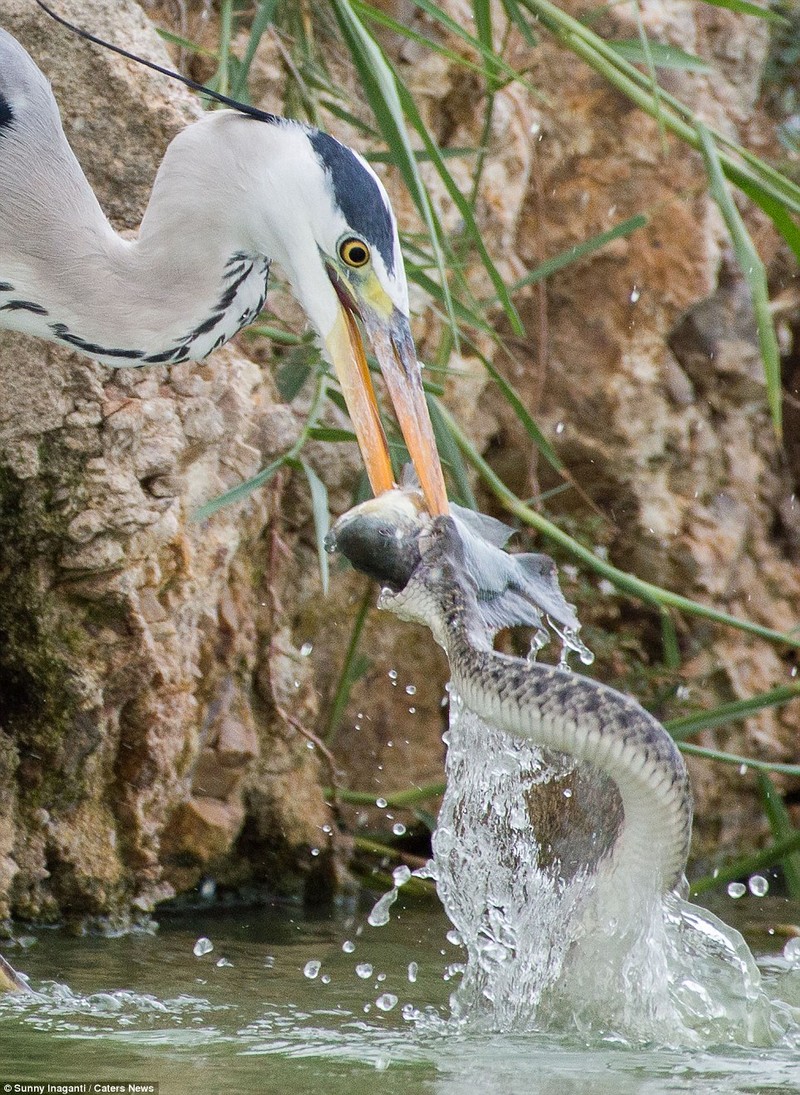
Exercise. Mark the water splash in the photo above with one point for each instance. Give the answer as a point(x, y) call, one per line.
point(548, 945)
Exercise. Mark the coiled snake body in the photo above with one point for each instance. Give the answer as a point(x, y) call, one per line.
point(443, 585)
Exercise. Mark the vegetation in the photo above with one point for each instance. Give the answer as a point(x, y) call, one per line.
point(397, 132)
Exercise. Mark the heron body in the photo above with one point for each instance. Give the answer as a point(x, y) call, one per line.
point(233, 194)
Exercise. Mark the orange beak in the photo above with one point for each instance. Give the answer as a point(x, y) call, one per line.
point(394, 349)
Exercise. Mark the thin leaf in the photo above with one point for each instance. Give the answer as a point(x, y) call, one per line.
point(187, 44)
point(742, 762)
point(754, 273)
point(748, 865)
point(482, 12)
point(579, 251)
point(662, 55)
point(777, 213)
point(381, 89)
point(464, 208)
point(261, 21)
point(745, 7)
point(322, 518)
point(520, 22)
point(239, 492)
point(352, 668)
point(290, 378)
point(646, 591)
point(451, 455)
point(523, 414)
point(689, 725)
point(331, 434)
point(782, 829)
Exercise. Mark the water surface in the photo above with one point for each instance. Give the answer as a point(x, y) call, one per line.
point(245, 1017)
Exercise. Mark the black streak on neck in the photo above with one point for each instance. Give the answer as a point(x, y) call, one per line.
point(6, 114)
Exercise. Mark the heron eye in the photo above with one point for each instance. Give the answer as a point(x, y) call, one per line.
point(354, 252)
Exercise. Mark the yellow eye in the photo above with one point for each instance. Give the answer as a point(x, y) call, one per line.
point(354, 252)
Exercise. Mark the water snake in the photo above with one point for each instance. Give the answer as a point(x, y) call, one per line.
point(450, 574)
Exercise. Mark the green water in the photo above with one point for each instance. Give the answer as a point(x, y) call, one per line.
point(144, 1007)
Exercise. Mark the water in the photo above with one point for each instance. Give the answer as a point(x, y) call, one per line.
point(552, 941)
point(144, 1007)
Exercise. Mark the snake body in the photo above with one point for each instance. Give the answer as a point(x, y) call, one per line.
point(551, 707)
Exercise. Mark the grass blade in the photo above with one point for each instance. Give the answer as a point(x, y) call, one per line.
point(782, 829)
point(745, 7)
point(579, 251)
point(661, 55)
point(322, 518)
point(742, 762)
point(777, 213)
point(261, 21)
point(629, 583)
point(451, 455)
point(689, 725)
point(464, 208)
point(240, 491)
point(748, 865)
point(353, 667)
point(381, 89)
point(754, 273)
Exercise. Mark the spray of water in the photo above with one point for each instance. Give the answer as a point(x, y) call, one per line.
point(551, 943)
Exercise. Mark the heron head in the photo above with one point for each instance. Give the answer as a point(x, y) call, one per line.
point(358, 275)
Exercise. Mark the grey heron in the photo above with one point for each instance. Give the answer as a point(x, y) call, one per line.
point(235, 191)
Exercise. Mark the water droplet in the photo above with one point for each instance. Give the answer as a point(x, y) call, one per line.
point(758, 885)
point(386, 1001)
point(736, 889)
point(541, 637)
point(311, 969)
point(310, 745)
point(742, 769)
point(325, 979)
point(412, 710)
point(399, 829)
point(208, 889)
point(380, 910)
point(635, 294)
point(223, 962)
point(401, 875)
point(413, 970)
point(380, 978)
point(202, 946)
point(411, 690)
point(791, 952)
point(348, 946)
point(392, 674)
point(559, 427)
point(315, 851)
point(381, 803)
point(567, 793)
point(306, 649)
point(364, 970)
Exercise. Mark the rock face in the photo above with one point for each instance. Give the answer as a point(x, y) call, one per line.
point(153, 694)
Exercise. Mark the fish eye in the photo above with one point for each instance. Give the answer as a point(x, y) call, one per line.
point(353, 252)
